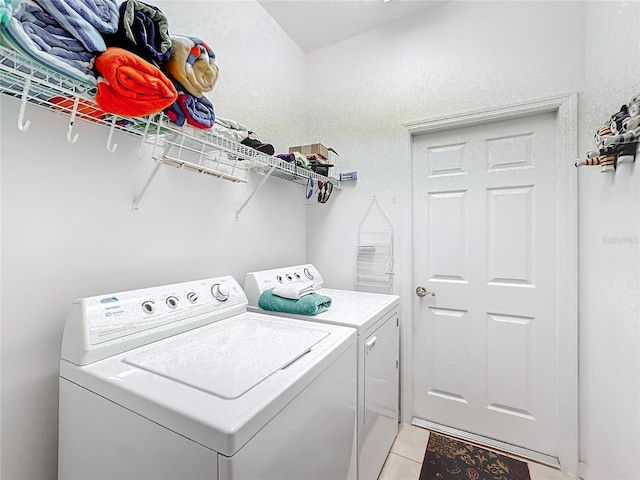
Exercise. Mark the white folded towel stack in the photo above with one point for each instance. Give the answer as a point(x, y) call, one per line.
point(294, 291)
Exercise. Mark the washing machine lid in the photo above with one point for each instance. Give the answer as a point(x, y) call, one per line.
point(229, 360)
point(166, 381)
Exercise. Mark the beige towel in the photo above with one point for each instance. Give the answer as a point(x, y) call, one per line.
point(192, 64)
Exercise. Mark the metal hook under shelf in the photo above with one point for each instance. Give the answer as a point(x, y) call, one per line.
point(22, 124)
point(112, 148)
point(73, 139)
point(144, 137)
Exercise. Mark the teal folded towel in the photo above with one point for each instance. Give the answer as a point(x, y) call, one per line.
point(311, 304)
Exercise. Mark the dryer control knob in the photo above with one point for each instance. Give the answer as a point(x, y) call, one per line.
point(192, 297)
point(220, 292)
point(308, 273)
point(172, 301)
point(148, 307)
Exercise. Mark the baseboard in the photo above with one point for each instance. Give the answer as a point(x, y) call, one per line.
point(583, 471)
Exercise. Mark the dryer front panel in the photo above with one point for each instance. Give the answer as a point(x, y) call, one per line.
point(379, 409)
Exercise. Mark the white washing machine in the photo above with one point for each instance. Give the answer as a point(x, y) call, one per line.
point(181, 382)
point(376, 318)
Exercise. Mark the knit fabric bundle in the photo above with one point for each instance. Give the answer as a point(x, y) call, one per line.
point(139, 68)
point(130, 86)
point(144, 30)
point(192, 64)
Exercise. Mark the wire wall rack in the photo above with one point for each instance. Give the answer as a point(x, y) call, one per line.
point(188, 148)
point(374, 258)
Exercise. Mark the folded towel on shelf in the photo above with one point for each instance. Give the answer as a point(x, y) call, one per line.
point(192, 64)
point(294, 291)
point(311, 304)
point(301, 160)
point(196, 111)
point(86, 109)
point(130, 86)
point(254, 142)
point(287, 157)
point(34, 33)
point(144, 30)
point(230, 129)
point(237, 132)
point(86, 20)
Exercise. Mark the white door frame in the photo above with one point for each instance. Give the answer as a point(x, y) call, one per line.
point(565, 107)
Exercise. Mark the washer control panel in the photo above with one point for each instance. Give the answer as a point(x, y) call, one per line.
point(257, 282)
point(126, 313)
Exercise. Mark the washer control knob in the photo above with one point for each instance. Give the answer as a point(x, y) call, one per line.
point(148, 307)
point(308, 273)
point(172, 301)
point(289, 277)
point(220, 292)
point(192, 297)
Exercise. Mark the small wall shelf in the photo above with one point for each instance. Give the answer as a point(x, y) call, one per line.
point(200, 151)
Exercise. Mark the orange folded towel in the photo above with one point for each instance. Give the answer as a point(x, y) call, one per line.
point(86, 109)
point(130, 86)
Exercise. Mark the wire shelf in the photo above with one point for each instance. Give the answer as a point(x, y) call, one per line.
point(16, 68)
point(201, 151)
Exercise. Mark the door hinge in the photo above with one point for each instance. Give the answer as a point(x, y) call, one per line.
point(397, 322)
point(397, 364)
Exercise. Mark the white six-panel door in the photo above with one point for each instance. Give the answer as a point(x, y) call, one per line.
point(485, 243)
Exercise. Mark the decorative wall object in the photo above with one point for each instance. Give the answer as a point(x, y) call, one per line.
point(374, 262)
point(617, 139)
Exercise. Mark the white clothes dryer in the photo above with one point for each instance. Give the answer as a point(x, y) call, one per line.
point(376, 318)
point(181, 382)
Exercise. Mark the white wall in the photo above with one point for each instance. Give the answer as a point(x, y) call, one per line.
point(609, 261)
point(68, 229)
point(462, 57)
point(456, 58)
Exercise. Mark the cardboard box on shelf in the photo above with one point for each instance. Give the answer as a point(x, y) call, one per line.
point(317, 148)
point(326, 155)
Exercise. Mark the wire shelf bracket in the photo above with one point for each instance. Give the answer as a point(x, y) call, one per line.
point(255, 190)
point(23, 125)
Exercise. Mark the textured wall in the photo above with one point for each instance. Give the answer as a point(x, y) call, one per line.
point(456, 58)
point(609, 219)
point(68, 229)
point(465, 56)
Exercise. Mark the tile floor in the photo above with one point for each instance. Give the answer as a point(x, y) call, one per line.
point(405, 460)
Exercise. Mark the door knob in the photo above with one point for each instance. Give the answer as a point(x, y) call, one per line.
point(422, 292)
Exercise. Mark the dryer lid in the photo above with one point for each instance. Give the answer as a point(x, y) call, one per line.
point(229, 360)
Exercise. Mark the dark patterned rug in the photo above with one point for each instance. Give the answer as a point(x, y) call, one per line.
point(450, 459)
